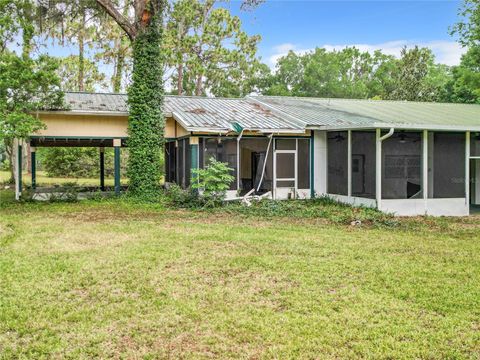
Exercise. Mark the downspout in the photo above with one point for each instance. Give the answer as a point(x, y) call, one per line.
point(378, 164)
point(265, 162)
point(238, 159)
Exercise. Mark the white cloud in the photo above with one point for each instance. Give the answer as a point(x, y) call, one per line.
point(446, 52)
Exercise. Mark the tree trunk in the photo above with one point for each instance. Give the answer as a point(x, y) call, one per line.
point(145, 100)
point(9, 150)
point(119, 65)
point(180, 78)
point(198, 86)
point(81, 53)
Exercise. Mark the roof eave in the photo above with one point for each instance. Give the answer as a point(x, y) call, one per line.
point(396, 126)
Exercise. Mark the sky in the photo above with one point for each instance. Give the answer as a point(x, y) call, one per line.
point(302, 25)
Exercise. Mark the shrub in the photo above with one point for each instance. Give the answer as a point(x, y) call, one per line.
point(214, 181)
point(179, 197)
point(77, 161)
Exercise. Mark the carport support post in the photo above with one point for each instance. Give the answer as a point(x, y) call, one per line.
point(116, 146)
point(102, 168)
point(33, 164)
point(18, 192)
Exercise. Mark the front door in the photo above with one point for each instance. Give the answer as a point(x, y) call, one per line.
point(285, 165)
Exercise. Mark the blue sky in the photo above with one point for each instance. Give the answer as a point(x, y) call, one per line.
point(302, 25)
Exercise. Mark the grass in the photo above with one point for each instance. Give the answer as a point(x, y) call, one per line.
point(44, 180)
point(116, 279)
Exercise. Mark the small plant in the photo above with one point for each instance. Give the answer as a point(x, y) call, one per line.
point(213, 181)
point(182, 198)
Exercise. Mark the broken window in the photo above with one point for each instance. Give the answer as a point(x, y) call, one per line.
point(363, 164)
point(402, 164)
point(253, 157)
point(337, 159)
point(446, 165)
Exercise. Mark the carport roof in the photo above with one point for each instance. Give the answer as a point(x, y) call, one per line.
point(290, 114)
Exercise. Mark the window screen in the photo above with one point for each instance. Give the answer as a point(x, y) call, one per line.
point(303, 163)
point(170, 153)
point(253, 156)
point(402, 159)
point(337, 154)
point(221, 149)
point(285, 144)
point(447, 164)
point(285, 165)
point(180, 163)
point(475, 144)
point(363, 164)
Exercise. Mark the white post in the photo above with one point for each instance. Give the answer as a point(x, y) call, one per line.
point(378, 169)
point(467, 169)
point(349, 164)
point(296, 169)
point(274, 185)
point(425, 169)
point(320, 162)
point(431, 159)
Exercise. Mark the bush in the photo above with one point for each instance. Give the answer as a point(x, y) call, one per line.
point(214, 180)
point(179, 197)
point(76, 161)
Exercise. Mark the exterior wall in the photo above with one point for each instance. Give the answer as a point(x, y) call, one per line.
point(432, 207)
point(60, 125)
point(355, 201)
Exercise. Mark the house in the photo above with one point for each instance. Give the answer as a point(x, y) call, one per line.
point(407, 158)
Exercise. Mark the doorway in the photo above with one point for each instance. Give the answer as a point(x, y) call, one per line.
point(285, 169)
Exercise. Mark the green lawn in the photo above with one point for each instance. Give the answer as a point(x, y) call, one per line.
point(113, 279)
point(44, 180)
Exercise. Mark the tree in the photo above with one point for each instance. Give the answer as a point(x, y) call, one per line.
point(75, 22)
point(26, 85)
point(114, 49)
point(68, 73)
point(348, 73)
point(468, 28)
point(145, 95)
point(464, 86)
point(209, 50)
point(417, 78)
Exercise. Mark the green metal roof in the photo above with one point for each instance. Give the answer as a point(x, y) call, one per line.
point(338, 113)
point(291, 114)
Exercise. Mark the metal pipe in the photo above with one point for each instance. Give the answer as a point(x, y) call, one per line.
point(238, 159)
point(387, 135)
point(265, 162)
point(378, 164)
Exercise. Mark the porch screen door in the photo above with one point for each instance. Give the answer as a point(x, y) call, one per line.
point(285, 165)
